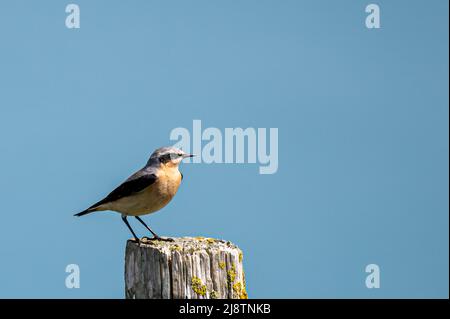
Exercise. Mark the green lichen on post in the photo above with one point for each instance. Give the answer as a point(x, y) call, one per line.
point(176, 247)
point(240, 290)
point(214, 295)
point(198, 287)
point(231, 275)
point(241, 256)
point(222, 265)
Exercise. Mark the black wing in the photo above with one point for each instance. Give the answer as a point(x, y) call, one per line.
point(128, 188)
point(134, 184)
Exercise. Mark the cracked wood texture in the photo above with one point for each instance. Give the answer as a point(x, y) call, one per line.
point(187, 268)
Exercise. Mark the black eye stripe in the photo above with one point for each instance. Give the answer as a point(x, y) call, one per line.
point(169, 156)
point(164, 158)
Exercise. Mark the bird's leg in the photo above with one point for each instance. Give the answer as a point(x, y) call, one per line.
point(124, 218)
point(155, 237)
point(145, 225)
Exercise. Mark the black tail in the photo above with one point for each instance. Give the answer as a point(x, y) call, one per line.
point(85, 212)
point(91, 209)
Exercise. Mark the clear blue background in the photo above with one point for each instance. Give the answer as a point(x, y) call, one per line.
point(363, 140)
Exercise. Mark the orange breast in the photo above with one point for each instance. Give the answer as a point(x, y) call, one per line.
point(169, 179)
point(154, 197)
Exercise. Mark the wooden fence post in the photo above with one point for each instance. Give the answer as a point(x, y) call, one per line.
point(187, 268)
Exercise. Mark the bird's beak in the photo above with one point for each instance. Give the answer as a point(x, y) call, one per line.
point(188, 155)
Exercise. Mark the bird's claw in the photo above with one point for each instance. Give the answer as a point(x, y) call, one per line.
point(158, 238)
point(135, 240)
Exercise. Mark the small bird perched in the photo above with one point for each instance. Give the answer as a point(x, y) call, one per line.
point(146, 191)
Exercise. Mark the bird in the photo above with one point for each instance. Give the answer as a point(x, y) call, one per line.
point(147, 190)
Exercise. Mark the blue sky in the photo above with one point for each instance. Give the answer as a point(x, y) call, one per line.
point(363, 140)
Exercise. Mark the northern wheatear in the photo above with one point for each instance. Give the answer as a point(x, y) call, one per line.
point(146, 191)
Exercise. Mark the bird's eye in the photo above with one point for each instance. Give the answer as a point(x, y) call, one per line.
point(180, 154)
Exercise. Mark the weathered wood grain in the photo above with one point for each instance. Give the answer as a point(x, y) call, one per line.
point(187, 268)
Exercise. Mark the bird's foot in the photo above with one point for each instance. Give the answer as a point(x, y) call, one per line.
point(135, 240)
point(158, 238)
point(166, 239)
